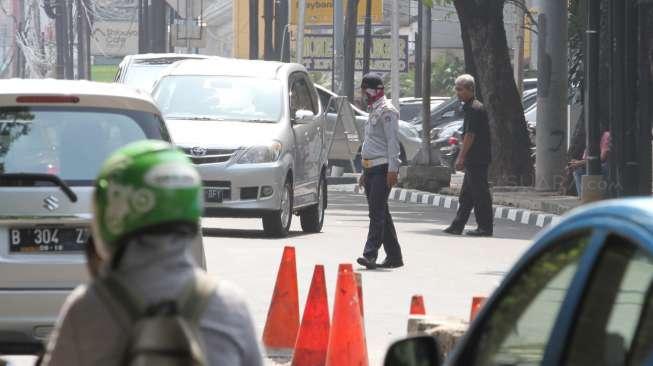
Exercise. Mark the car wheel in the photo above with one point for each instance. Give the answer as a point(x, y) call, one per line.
point(277, 223)
point(312, 218)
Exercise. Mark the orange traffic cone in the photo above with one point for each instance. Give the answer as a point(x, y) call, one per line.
point(477, 304)
point(347, 345)
point(359, 285)
point(313, 338)
point(417, 305)
point(282, 323)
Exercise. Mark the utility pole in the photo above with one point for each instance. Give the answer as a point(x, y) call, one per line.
point(268, 42)
point(367, 40)
point(338, 48)
point(351, 22)
point(253, 29)
point(300, 31)
point(81, 41)
point(590, 192)
point(551, 95)
point(426, 82)
point(141, 28)
point(70, 64)
point(281, 29)
point(418, 51)
point(520, 7)
point(19, 22)
point(394, 70)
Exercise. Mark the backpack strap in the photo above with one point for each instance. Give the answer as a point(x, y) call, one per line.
point(195, 297)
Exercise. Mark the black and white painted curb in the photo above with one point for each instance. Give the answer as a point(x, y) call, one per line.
point(518, 215)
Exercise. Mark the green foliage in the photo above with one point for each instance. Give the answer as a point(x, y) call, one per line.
point(444, 72)
point(103, 73)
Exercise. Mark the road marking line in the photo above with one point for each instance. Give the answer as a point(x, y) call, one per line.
point(512, 214)
point(413, 197)
point(498, 213)
point(540, 220)
point(447, 202)
point(526, 215)
point(402, 195)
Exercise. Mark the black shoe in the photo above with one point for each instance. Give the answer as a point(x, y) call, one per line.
point(392, 263)
point(367, 263)
point(479, 232)
point(453, 231)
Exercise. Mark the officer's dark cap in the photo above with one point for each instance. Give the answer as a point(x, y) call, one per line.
point(372, 80)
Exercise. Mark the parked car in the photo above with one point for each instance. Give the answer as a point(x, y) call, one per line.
point(411, 107)
point(448, 111)
point(581, 295)
point(54, 137)
point(142, 71)
point(256, 131)
point(409, 141)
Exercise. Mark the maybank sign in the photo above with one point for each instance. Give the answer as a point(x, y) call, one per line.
point(320, 12)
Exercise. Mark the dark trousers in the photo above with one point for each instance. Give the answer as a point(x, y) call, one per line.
point(382, 229)
point(475, 194)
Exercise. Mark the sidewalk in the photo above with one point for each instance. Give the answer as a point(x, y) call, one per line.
point(522, 205)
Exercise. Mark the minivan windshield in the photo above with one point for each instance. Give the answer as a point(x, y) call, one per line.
point(144, 76)
point(71, 143)
point(219, 98)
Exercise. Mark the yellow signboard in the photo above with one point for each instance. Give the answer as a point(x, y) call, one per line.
point(320, 12)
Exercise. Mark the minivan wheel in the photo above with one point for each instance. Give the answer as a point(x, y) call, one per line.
point(277, 223)
point(312, 218)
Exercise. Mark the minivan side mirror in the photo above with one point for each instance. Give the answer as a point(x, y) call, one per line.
point(304, 116)
point(417, 351)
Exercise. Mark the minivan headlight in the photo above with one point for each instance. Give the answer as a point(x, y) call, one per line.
point(261, 154)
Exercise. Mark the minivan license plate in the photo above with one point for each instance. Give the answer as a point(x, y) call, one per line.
point(47, 239)
point(213, 195)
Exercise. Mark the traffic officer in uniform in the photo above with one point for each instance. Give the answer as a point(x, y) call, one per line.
point(380, 153)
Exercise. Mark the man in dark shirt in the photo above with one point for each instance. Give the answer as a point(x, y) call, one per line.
point(474, 158)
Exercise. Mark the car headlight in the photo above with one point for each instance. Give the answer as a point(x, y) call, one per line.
point(261, 154)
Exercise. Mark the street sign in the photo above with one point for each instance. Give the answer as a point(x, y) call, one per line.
point(320, 12)
point(114, 38)
point(318, 53)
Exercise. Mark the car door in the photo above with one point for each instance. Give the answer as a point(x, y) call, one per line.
point(304, 135)
point(583, 298)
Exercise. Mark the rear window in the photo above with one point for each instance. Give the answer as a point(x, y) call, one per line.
point(144, 77)
point(69, 142)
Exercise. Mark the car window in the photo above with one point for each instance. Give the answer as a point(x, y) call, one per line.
point(518, 328)
point(325, 98)
point(52, 140)
point(300, 96)
point(613, 306)
point(219, 98)
point(143, 76)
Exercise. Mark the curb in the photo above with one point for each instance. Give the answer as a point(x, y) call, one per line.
point(517, 215)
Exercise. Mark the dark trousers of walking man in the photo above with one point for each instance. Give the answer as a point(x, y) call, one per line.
point(382, 229)
point(475, 194)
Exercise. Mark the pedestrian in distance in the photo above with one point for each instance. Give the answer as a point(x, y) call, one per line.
point(380, 159)
point(150, 304)
point(474, 158)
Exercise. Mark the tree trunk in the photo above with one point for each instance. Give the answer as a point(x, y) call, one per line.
point(351, 20)
point(482, 24)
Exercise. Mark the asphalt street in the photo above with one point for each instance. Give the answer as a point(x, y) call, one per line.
point(447, 270)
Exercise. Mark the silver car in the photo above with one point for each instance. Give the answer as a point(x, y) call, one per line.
point(256, 131)
point(54, 137)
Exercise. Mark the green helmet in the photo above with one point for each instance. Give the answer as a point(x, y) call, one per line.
point(141, 185)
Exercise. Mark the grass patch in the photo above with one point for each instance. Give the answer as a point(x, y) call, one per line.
point(103, 73)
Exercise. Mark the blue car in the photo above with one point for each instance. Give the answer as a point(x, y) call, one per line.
point(582, 295)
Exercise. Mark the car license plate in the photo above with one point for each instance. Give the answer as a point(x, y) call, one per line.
point(213, 195)
point(47, 239)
